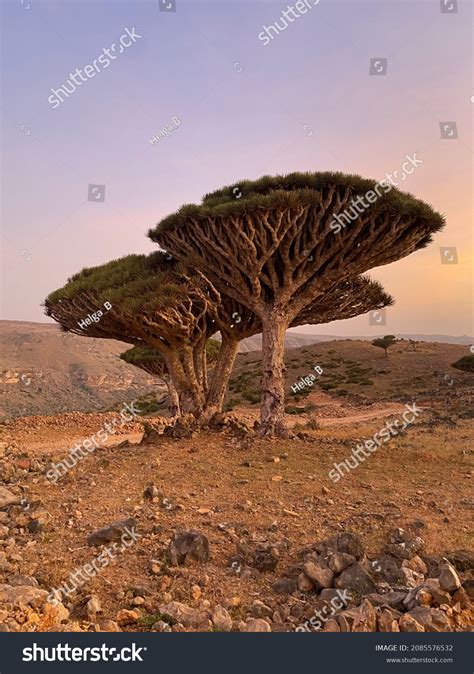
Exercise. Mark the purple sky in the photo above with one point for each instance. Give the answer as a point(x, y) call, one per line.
point(303, 102)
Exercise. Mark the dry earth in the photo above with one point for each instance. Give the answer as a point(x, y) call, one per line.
point(246, 494)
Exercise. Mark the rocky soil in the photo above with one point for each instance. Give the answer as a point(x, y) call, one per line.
point(199, 568)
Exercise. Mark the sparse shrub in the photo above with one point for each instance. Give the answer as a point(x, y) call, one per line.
point(466, 363)
point(293, 409)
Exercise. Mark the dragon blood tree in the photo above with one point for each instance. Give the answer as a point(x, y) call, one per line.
point(151, 361)
point(277, 249)
point(235, 322)
point(145, 301)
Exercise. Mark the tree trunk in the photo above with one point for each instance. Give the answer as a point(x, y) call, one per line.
point(220, 378)
point(179, 375)
point(273, 365)
point(200, 364)
point(194, 383)
point(173, 398)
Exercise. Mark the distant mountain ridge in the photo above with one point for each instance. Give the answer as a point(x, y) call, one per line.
point(296, 339)
point(46, 371)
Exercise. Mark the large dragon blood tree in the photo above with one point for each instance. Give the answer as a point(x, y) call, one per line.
point(145, 300)
point(276, 249)
point(235, 322)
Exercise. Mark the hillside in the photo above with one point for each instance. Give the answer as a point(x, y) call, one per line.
point(46, 371)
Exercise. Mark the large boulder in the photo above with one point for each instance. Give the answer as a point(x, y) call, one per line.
point(356, 578)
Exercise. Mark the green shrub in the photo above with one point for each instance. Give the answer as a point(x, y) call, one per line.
point(466, 363)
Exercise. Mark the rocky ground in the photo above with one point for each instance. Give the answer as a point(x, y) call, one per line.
point(224, 531)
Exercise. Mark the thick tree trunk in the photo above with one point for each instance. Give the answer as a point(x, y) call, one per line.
point(194, 383)
point(173, 398)
point(273, 365)
point(179, 375)
point(220, 378)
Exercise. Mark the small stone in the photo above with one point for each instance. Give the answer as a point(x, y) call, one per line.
point(416, 564)
point(126, 617)
point(257, 625)
point(351, 545)
point(340, 561)
point(448, 578)
point(319, 574)
point(108, 626)
point(304, 583)
point(275, 478)
point(7, 498)
point(189, 546)
point(284, 586)
point(407, 623)
point(113, 532)
point(93, 607)
point(151, 492)
point(260, 610)
point(161, 626)
point(366, 620)
point(331, 625)
point(138, 601)
point(221, 619)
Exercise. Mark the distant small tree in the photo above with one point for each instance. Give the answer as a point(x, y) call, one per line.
point(385, 343)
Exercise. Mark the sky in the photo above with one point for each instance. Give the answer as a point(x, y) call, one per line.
point(240, 106)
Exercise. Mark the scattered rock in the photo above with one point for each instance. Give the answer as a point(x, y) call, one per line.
point(448, 578)
point(257, 625)
point(319, 574)
point(340, 561)
point(126, 617)
point(7, 498)
point(221, 619)
point(366, 620)
point(355, 578)
point(113, 532)
point(408, 623)
point(187, 547)
point(284, 586)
